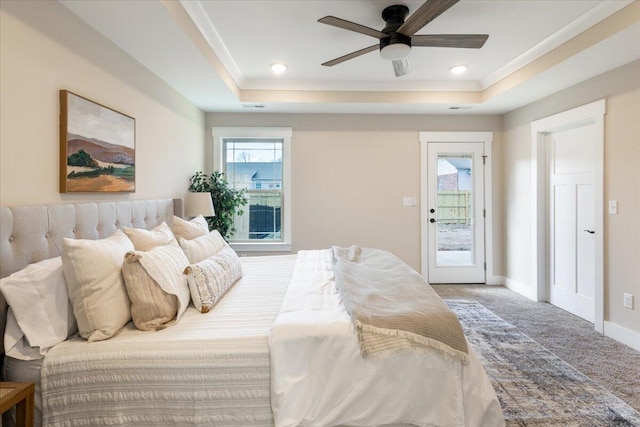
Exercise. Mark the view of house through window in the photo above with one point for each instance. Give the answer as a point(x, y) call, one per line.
point(256, 165)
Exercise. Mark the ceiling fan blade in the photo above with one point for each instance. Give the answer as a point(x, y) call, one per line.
point(470, 41)
point(401, 67)
point(426, 13)
point(352, 26)
point(351, 55)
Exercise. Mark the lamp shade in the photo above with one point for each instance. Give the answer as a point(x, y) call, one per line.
point(198, 204)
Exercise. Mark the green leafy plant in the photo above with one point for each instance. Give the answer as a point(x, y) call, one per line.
point(227, 201)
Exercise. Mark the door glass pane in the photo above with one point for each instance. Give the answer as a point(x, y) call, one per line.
point(454, 226)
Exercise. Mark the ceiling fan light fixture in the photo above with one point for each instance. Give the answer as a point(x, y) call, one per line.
point(278, 68)
point(458, 69)
point(395, 51)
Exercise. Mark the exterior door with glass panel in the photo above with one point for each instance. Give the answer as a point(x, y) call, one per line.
point(455, 213)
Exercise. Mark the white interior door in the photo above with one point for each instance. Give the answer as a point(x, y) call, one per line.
point(455, 213)
point(571, 160)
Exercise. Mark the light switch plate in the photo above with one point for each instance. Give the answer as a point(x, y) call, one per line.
point(409, 201)
point(613, 207)
point(628, 301)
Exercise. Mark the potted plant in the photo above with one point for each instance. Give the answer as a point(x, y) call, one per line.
point(227, 201)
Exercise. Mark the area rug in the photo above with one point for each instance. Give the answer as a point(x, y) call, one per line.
point(535, 387)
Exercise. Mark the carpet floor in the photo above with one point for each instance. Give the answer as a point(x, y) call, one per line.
point(610, 364)
point(534, 386)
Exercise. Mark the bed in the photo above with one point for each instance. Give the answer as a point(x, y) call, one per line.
point(226, 367)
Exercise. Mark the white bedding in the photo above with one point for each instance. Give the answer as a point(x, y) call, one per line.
point(318, 377)
point(215, 373)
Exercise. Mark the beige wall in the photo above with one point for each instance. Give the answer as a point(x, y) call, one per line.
point(350, 173)
point(45, 48)
point(621, 89)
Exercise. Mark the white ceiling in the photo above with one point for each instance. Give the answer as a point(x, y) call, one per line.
point(218, 53)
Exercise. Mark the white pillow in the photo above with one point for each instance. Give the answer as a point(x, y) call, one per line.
point(143, 240)
point(210, 279)
point(93, 270)
point(40, 315)
point(189, 229)
point(202, 247)
point(157, 289)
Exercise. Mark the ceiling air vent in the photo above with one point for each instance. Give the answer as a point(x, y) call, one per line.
point(253, 106)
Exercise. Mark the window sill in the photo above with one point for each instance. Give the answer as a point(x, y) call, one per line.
point(261, 247)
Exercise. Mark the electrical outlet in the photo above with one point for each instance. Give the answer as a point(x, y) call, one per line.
point(613, 207)
point(628, 301)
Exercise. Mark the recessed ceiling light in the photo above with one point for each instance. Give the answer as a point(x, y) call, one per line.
point(458, 69)
point(278, 68)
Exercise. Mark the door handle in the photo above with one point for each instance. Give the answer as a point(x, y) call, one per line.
point(590, 231)
point(432, 220)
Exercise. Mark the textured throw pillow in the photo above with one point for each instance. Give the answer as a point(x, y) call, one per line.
point(202, 247)
point(210, 279)
point(157, 289)
point(93, 270)
point(189, 229)
point(40, 315)
point(143, 240)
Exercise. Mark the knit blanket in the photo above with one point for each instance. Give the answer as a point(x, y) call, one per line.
point(393, 309)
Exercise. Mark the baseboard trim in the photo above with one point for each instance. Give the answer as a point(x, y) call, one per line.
point(495, 280)
point(622, 334)
point(521, 288)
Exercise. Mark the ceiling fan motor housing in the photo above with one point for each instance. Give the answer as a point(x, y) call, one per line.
point(394, 16)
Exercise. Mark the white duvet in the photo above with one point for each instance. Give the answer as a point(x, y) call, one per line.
point(318, 377)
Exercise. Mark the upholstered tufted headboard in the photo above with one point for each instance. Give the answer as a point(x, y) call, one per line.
point(30, 234)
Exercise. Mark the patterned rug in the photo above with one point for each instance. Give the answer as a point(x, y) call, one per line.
point(535, 387)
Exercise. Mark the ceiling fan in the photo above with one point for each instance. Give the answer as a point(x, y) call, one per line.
point(397, 37)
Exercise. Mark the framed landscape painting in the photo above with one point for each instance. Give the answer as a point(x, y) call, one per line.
point(97, 147)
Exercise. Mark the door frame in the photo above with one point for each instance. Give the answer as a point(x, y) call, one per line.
point(486, 138)
point(592, 113)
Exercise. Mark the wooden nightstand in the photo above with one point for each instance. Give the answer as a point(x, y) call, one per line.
point(19, 395)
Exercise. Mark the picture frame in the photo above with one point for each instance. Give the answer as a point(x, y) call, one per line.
point(97, 147)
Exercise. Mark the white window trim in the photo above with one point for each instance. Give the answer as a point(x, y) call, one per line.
point(284, 133)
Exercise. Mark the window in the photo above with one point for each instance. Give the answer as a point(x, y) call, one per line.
point(259, 161)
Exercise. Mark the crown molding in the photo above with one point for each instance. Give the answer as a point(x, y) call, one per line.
point(201, 20)
point(566, 33)
point(359, 86)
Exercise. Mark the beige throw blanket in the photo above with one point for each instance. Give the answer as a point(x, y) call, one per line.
point(393, 309)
